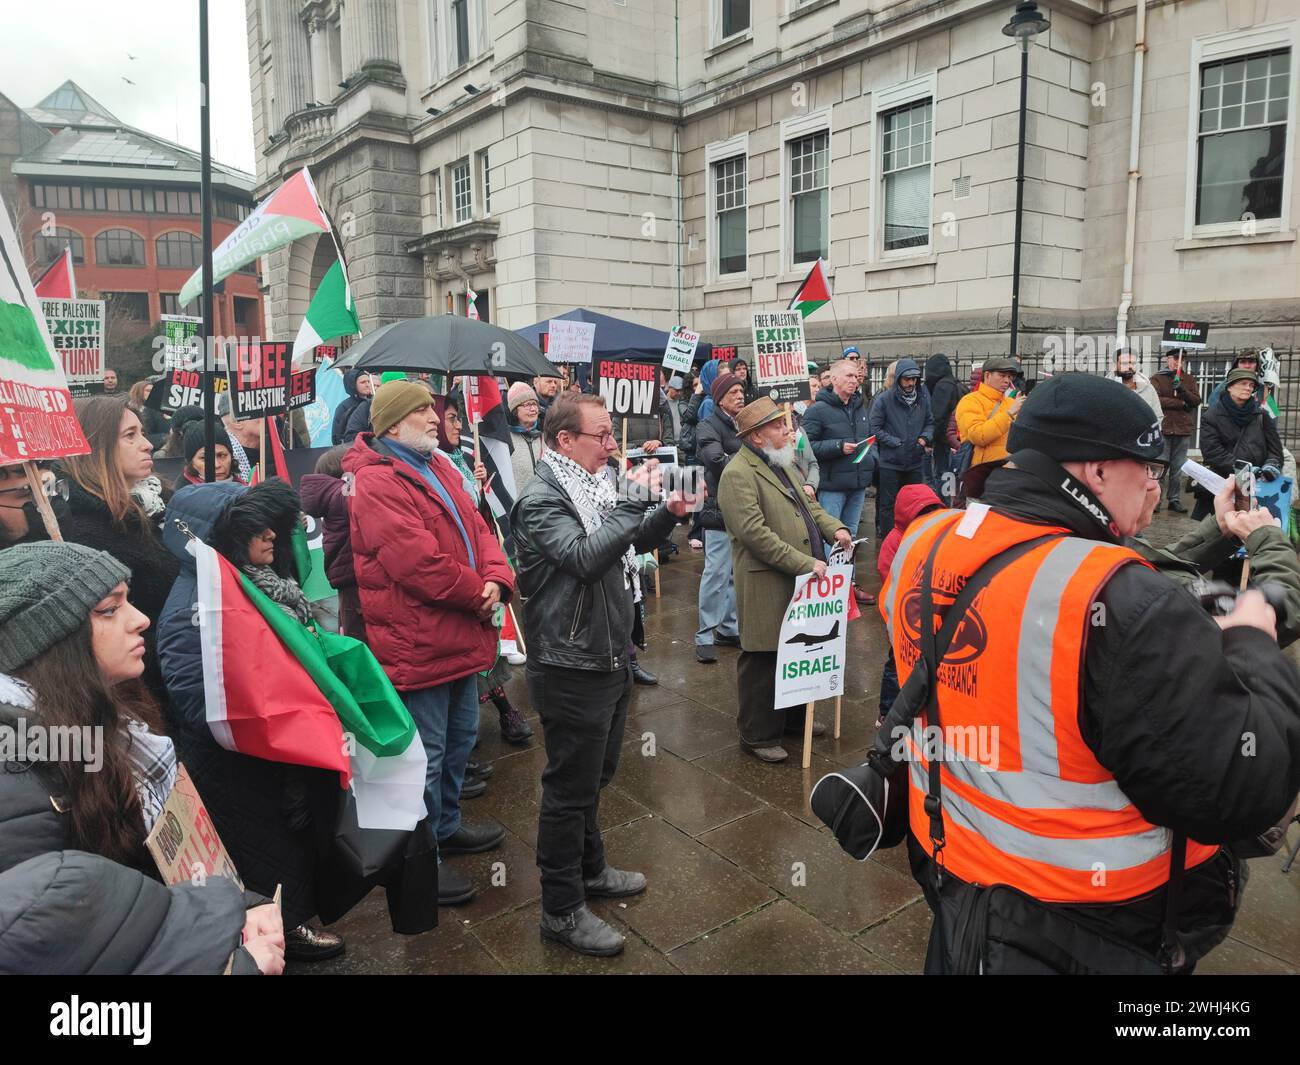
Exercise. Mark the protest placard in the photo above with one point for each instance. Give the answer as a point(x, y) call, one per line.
point(183, 388)
point(570, 341)
point(182, 348)
point(628, 387)
point(302, 388)
point(810, 654)
point(259, 379)
point(780, 359)
point(184, 843)
point(77, 331)
point(680, 352)
point(1183, 334)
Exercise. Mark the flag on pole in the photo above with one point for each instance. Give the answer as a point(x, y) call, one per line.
point(59, 281)
point(291, 211)
point(331, 313)
point(813, 293)
point(279, 691)
point(471, 296)
point(484, 408)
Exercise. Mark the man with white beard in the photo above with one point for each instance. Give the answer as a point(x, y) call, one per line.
point(430, 577)
point(777, 534)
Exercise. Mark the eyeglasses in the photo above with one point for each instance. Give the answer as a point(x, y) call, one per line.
point(604, 438)
point(1154, 470)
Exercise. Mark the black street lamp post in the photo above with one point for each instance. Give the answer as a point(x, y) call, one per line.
point(1026, 24)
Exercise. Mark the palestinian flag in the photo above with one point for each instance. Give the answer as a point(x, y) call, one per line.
point(332, 313)
point(863, 449)
point(280, 691)
point(484, 407)
point(291, 211)
point(814, 291)
point(471, 298)
point(59, 282)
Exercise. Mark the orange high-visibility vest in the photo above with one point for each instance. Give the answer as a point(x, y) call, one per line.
point(1025, 801)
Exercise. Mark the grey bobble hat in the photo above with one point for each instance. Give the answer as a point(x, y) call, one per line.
point(47, 590)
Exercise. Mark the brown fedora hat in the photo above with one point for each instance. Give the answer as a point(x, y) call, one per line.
point(756, 414)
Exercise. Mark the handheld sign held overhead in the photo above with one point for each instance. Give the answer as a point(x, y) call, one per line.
point(680, 351)
point(780, 358)
point(182, 341)
point(183, 388)
point(77, 330)
point(1182, 334)
point(628, 387)
point(811, 653)
point(262, 383)
point(569, 341)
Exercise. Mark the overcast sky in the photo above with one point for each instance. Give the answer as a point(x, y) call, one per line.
point(45, 42)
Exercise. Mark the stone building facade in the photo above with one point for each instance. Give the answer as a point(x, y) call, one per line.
point(684, 160)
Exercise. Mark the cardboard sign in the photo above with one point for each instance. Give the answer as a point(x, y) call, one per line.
point(184, 841)
point(811, 653)
point(182, 343)
point(302, 388)
point(1180, 334)
point(724, 351)
point(628, 387)
point(780, 359)
point(259, 379)
point(680, 352)
point(570, 341)
point(77, 330)
point(183, 388)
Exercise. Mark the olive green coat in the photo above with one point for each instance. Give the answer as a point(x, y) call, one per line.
point(769, 544)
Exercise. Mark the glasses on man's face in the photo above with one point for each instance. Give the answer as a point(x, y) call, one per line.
point(1154, 470)
point(606, 438)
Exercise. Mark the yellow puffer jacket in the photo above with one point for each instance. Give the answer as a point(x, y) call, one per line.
point(984, 418)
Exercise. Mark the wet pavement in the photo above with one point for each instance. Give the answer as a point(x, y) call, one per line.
point(742, 877)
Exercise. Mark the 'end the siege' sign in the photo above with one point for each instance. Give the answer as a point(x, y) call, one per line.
point(628, 387)
point(780, 359)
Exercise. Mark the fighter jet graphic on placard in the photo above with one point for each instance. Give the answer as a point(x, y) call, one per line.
point(809, 639)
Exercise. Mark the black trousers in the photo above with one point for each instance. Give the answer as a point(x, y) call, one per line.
point(583, 715)
point(890, 482)
point(760, 721)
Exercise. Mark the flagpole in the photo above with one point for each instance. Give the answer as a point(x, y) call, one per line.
point(205, 193)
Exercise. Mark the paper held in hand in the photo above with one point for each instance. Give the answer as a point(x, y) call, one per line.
point(1206, 478)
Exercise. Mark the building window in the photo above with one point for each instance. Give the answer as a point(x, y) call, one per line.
point(458, 34)
point(46, 249)
point(462, 198)
point(168, 303)
point(438, 217)
point(232, 209)
point(732, 219)
point(179, 251)
point(246, 322)
point(459, 30)
point(810, 196)
point(1241, 137)
point(905, 172)
point(486, 171)
point(119, 247)
point(130, 306)
point(735, 17)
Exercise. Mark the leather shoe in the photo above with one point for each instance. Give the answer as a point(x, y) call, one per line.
point(454, 887)
point(472, 839)
point(472, 787)
point(514, 729)
point(704, 654)
point(306, 943)
point(1176, 506)
point(818, 730)
point(479, 770)
point(582, 931)
point(615, 884)
point(643, 676)
point(771, 755)
point(726, 641)
point(865, 598)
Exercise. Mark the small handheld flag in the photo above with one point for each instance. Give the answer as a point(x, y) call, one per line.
point(863, 448)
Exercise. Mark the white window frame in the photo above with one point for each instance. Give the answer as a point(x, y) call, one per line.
point(715, 25)
point(883, 100)
point(485, 181)
point(441, 42)
point(720, 152)
point(439, 219)
point(793, 129)
point(1213, 49)
point(468, 163)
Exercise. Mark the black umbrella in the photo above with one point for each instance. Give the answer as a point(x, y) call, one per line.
point(451, 345)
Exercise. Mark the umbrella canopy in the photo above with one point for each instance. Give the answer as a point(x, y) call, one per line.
point(450, 345)
point(616, 338)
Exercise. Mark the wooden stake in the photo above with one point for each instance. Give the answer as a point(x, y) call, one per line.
point(807, 735)
point(42, 501)
point(656, 558)
point(789, 417)
point(838, 705)
point(624, 454)
point(1245, 574)
point(477, 457)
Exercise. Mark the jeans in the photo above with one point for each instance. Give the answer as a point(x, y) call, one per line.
point(1175, 454)
point(890, 482)
point(845, 507)
point(447, 719)
point(759, 720)
point(583, 714)
point(717, 590)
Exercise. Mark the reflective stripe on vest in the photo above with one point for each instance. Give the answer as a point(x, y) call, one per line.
point(1025, 800)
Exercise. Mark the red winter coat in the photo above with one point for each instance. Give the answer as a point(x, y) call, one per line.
point(913, 501)
point(418, 593)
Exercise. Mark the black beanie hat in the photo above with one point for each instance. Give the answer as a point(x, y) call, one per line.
point(193, 440)
point(1078, 417)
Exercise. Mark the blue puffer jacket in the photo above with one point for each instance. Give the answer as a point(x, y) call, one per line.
point(344, 410)
point(829, 423)
point(897, 425)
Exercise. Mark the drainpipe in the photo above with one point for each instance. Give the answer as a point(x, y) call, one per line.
point(1135, 136)
point(677, 168)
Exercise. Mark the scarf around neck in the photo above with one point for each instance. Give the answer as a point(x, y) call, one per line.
point(595, 498)
point(1240, 416)
point(284, 592)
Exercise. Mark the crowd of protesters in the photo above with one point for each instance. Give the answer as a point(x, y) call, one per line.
point(98, 630)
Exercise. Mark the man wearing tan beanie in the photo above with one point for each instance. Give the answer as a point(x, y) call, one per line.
point(430, 576)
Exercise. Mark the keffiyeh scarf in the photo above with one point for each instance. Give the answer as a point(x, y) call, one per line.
point(594, 497)
point(148, 493)
point(284, 592)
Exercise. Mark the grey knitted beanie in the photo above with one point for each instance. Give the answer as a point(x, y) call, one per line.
point(47, 591)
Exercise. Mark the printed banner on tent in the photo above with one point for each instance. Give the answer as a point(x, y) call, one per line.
point(36, 416)
point(570, 341)
point(77, 329)
point(182, 348)
point(184, 841)
point(628, 387)
point(811, 652)
point(680, 351)
point(1181, 334)
point(780, 359)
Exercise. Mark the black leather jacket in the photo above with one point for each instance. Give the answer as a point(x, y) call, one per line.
point(577, 612)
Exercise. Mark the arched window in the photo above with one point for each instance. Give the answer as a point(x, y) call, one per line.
point(119, 247)
point(46, 249)
point(179, 251)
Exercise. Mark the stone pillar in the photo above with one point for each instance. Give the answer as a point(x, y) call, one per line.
point(318, 29)
point(291, 64)
point(351, 37)
point(379, 34)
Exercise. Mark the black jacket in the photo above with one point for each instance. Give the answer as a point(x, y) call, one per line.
point(829, 423)
point(343, 412)
point(578, 614)
point(1223, 441)
point(1167, 698)
point(945, 393)
point(715, 442)
point(358, 421)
